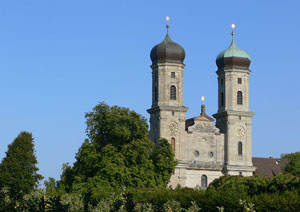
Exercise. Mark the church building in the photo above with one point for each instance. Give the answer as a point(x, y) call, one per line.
point(204, 150)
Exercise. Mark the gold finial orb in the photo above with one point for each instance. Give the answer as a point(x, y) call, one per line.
point(202, 98)
point(232, 26)
point(168, 18)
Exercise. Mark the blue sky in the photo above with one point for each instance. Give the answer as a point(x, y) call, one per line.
point(58, 59)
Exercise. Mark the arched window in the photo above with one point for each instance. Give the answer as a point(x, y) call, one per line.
point(222, 99)
point(173, 92)
point(240, 148)
point(155, 94)
point(173, 144)
point(203, 181)
point(239, 98)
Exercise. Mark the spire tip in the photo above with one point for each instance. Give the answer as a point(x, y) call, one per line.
point(167, 25)
point(232, 33)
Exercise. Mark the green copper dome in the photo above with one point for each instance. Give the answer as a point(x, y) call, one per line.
point(233, 57)
point(233, 51)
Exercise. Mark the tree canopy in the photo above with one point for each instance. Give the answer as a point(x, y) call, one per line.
point(293, 167)
point(114, 125)
point(118, 153)
point(18, 170)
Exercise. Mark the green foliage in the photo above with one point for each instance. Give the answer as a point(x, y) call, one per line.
point(34, 201)
point(115, 202)
point(139, 166)
point(283, 182)
point(144, 207)
point(243, 186)
point(193, 208)
point(158, 197)
point(18, 171)
point(111, 164)
point(67, 177)
point(164, 162)
point(277, 202)
point(293, 167)
point(117, 154)
point(86, 160)
point(114, 125)
point(172, 206)
point(6, 203)
point(150, 200)
point(247, 206)
point(50, 186)
point(73, 203)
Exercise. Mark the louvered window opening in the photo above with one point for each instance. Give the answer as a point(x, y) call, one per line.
point(239, 98)
point(240, 148)
point(173, 92)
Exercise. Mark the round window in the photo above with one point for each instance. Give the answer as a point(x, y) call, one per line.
point(196, 153)
point(211, 154)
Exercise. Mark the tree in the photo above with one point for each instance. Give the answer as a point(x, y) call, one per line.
point(164, 162)
point(293, 166)
point(139, 165)
point(18, 170)
point(118, 154)
point(114, 125)
point(241, 185)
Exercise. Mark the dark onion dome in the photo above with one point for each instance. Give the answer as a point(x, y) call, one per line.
point(167, 51)
point(233, 57)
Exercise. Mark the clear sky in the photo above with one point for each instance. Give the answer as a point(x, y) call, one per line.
point(58, 59)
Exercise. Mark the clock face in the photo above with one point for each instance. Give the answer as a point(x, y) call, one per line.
point(173, 127)
point(239, 131)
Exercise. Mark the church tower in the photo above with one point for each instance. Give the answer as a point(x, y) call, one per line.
point(167, 113)
point(234, 118)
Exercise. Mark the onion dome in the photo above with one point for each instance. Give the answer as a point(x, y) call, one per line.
point(233, 57)
point(167, 51)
